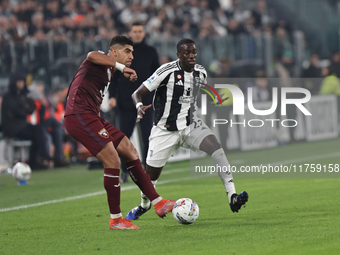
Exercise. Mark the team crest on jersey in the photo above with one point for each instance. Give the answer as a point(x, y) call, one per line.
point(103, 133)
point(179, 76)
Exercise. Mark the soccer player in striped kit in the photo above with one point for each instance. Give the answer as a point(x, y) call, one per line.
point(103, 140)
point(176, 123)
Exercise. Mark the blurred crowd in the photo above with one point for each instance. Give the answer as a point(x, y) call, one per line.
point(78, 26)
point(75, 25)
point(95, 19)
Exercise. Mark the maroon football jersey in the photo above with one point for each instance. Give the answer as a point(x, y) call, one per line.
point(88, 88)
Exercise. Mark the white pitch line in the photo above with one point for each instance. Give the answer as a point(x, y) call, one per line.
point(329, 155)
point(83, 196)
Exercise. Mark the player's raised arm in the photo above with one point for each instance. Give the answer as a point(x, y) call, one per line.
point(99, 58)
point(137, 100)
point(110, 59)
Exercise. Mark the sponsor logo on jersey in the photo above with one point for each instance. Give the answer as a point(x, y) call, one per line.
point(188, 91)
point(179, 76)
point(179, 83)
point(150, 80)
point(186, 100)
point(103, 133)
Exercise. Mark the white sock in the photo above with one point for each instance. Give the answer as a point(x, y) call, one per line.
point(145, 202)
point(155, 201)
point(117, 215)
point(221, 160)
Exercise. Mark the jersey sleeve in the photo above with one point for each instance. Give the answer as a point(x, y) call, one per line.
point(205, 76)
point(202, 70)
point(154, 81)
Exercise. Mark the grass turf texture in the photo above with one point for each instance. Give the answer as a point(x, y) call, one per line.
point(283, 216)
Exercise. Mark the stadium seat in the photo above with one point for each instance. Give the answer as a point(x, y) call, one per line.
point(16, 150)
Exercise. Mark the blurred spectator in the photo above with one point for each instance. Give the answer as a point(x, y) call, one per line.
point(220, 68)
point(186, 30)
point(221, 16)
point(154, 25)
point(164, 60)
point(284, 69)
point(53, 10)
point(330, 84)
point(235, 28)
point(260, 88)
point(70, 8)
point(262, 16)
point(39, 55)
point(44, 117)
point(311, 73)
point(213, 27)
point(5, 8)
point(15, 106)
point(77, 26)
point(335, 62)
point(237, 12)
point(17, 30)
point(282, 22)
point(4, 27)
point(131, 14)
point(37, 23)
point(282, 43)
point(56, 101)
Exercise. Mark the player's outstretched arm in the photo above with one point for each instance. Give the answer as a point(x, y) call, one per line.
point(101, 59)
point(110, 60)
point(137, 100)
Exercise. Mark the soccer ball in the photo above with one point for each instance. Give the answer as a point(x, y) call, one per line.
point(185, 211)
point(21, 171)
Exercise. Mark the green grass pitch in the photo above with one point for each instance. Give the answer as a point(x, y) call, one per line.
point(67, 212)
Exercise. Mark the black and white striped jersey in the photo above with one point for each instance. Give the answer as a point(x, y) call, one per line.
point(176, 93)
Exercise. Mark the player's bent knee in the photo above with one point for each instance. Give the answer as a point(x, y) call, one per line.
point(109, 157)
point(127, 151)
point(112, 161)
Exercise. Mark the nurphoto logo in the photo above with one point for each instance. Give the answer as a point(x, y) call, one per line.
point(239, 103)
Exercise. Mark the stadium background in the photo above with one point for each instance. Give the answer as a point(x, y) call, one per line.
point(64, 211)
point(47, 40)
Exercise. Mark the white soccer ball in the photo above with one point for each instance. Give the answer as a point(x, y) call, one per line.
point(185, 211)
point(21, 171)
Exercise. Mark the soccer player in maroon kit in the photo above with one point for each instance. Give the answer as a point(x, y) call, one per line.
point(106, 142)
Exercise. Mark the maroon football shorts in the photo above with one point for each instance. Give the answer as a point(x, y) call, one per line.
point(92, 131)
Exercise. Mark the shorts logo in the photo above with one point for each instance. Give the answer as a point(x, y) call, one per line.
point(179, 76)
point(103, 133)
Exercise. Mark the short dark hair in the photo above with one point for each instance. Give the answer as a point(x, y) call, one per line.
point(120, 39)
point(184, 41)
point(137, 23)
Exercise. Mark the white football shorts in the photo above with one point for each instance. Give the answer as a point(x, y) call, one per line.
point(163, 143)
